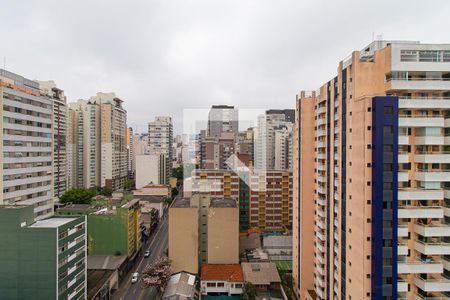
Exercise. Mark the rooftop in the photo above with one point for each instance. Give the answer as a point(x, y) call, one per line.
point(105, 262)
point(223, 202)
point(181, 286)
point(181, 203)
point(52, 222)
point(232, 273)
point(277, 241)
point(261, 273)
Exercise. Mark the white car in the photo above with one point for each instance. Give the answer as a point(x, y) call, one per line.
point(147, 253)
point(135, 277)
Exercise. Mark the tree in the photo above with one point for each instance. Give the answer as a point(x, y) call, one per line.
point(178, 173)
point(157, 274)
point(129, 183)
point(174, 192)
point(167, 201)
point(78, 196)
point(106, 191)
point(248, 291)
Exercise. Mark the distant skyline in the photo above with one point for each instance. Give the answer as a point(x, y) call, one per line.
point(161, 57)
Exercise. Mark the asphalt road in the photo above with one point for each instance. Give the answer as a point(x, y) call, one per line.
point(157, 245)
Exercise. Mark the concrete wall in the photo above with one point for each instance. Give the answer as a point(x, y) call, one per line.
point(223, 235)
point(147, 170)
point(183, 239)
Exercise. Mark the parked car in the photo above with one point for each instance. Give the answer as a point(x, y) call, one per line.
point(147, 253)
point(135, 277)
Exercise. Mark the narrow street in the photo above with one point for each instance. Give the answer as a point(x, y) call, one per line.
point(157, 245)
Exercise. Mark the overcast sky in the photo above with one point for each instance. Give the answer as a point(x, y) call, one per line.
point(163, 56)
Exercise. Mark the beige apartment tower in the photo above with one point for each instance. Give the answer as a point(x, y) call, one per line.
point(371, 177)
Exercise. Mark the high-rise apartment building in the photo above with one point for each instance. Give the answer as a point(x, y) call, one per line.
point(371, 216)
point(114, 156)
point(160, 138)
point(84, 133)
point(222, 118)
point(42, 259)
point(27, 135)
point(130, 155)
point(96, 142)
point(272, 139)
point(49, 89)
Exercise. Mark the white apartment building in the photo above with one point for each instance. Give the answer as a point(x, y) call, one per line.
point(265, 142)
point(85, 149)
point(27, 136)
point(49, 89)
point(283, 147)
point(160, 138)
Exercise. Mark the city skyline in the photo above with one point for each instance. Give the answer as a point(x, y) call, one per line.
point(192, 55)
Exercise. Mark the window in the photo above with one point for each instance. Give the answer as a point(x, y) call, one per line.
point(220, 284)
point(211, 284)
point(388, 110)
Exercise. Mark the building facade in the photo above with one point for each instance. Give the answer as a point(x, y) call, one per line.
point(272, 139)
point(264, 198)
point(27, 144)
point(160, 138)
point(44, 259)
point(370, 197)
point(222, 118)
point(49, 89)
point(96, 142)
point(84, 143)
point(203, 230)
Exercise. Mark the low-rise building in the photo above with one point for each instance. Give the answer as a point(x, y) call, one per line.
point(279, 247)
point(152, 196)
point(119, 216)
point(181, 286)
point(43, 259)
point(105, 273)
point(217, 280)
point(264, 276)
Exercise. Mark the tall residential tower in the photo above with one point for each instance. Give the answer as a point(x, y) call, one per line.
point(371, 177)
point(27, 135)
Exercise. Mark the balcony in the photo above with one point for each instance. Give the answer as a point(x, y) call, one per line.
point(424, 103)
point(432, 230)
point(432, 158)
point(403, 158)
point(402, 249)
point(321, 144)
point(321, 213)
point(403, 140)
point(419, 84)
point(321, 110)
point(420, 194)
point(432, 176)
point(402, 176)
point(418, 266)
point(446, 262)
point(429, 140)
point(320, 224)
point(420, 297)
point(320, 247)
point(432, 248)
point(321, 202)
point(402, 285)
point(320, 236)
point(435, 212)
point(320, 258)
point(402, 230)
point(437, 284)
point(417, 121)
point(321, 132)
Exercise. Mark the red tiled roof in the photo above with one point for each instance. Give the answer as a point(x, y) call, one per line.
point(231, 273)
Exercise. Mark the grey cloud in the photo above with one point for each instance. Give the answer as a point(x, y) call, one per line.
point(163, 56)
